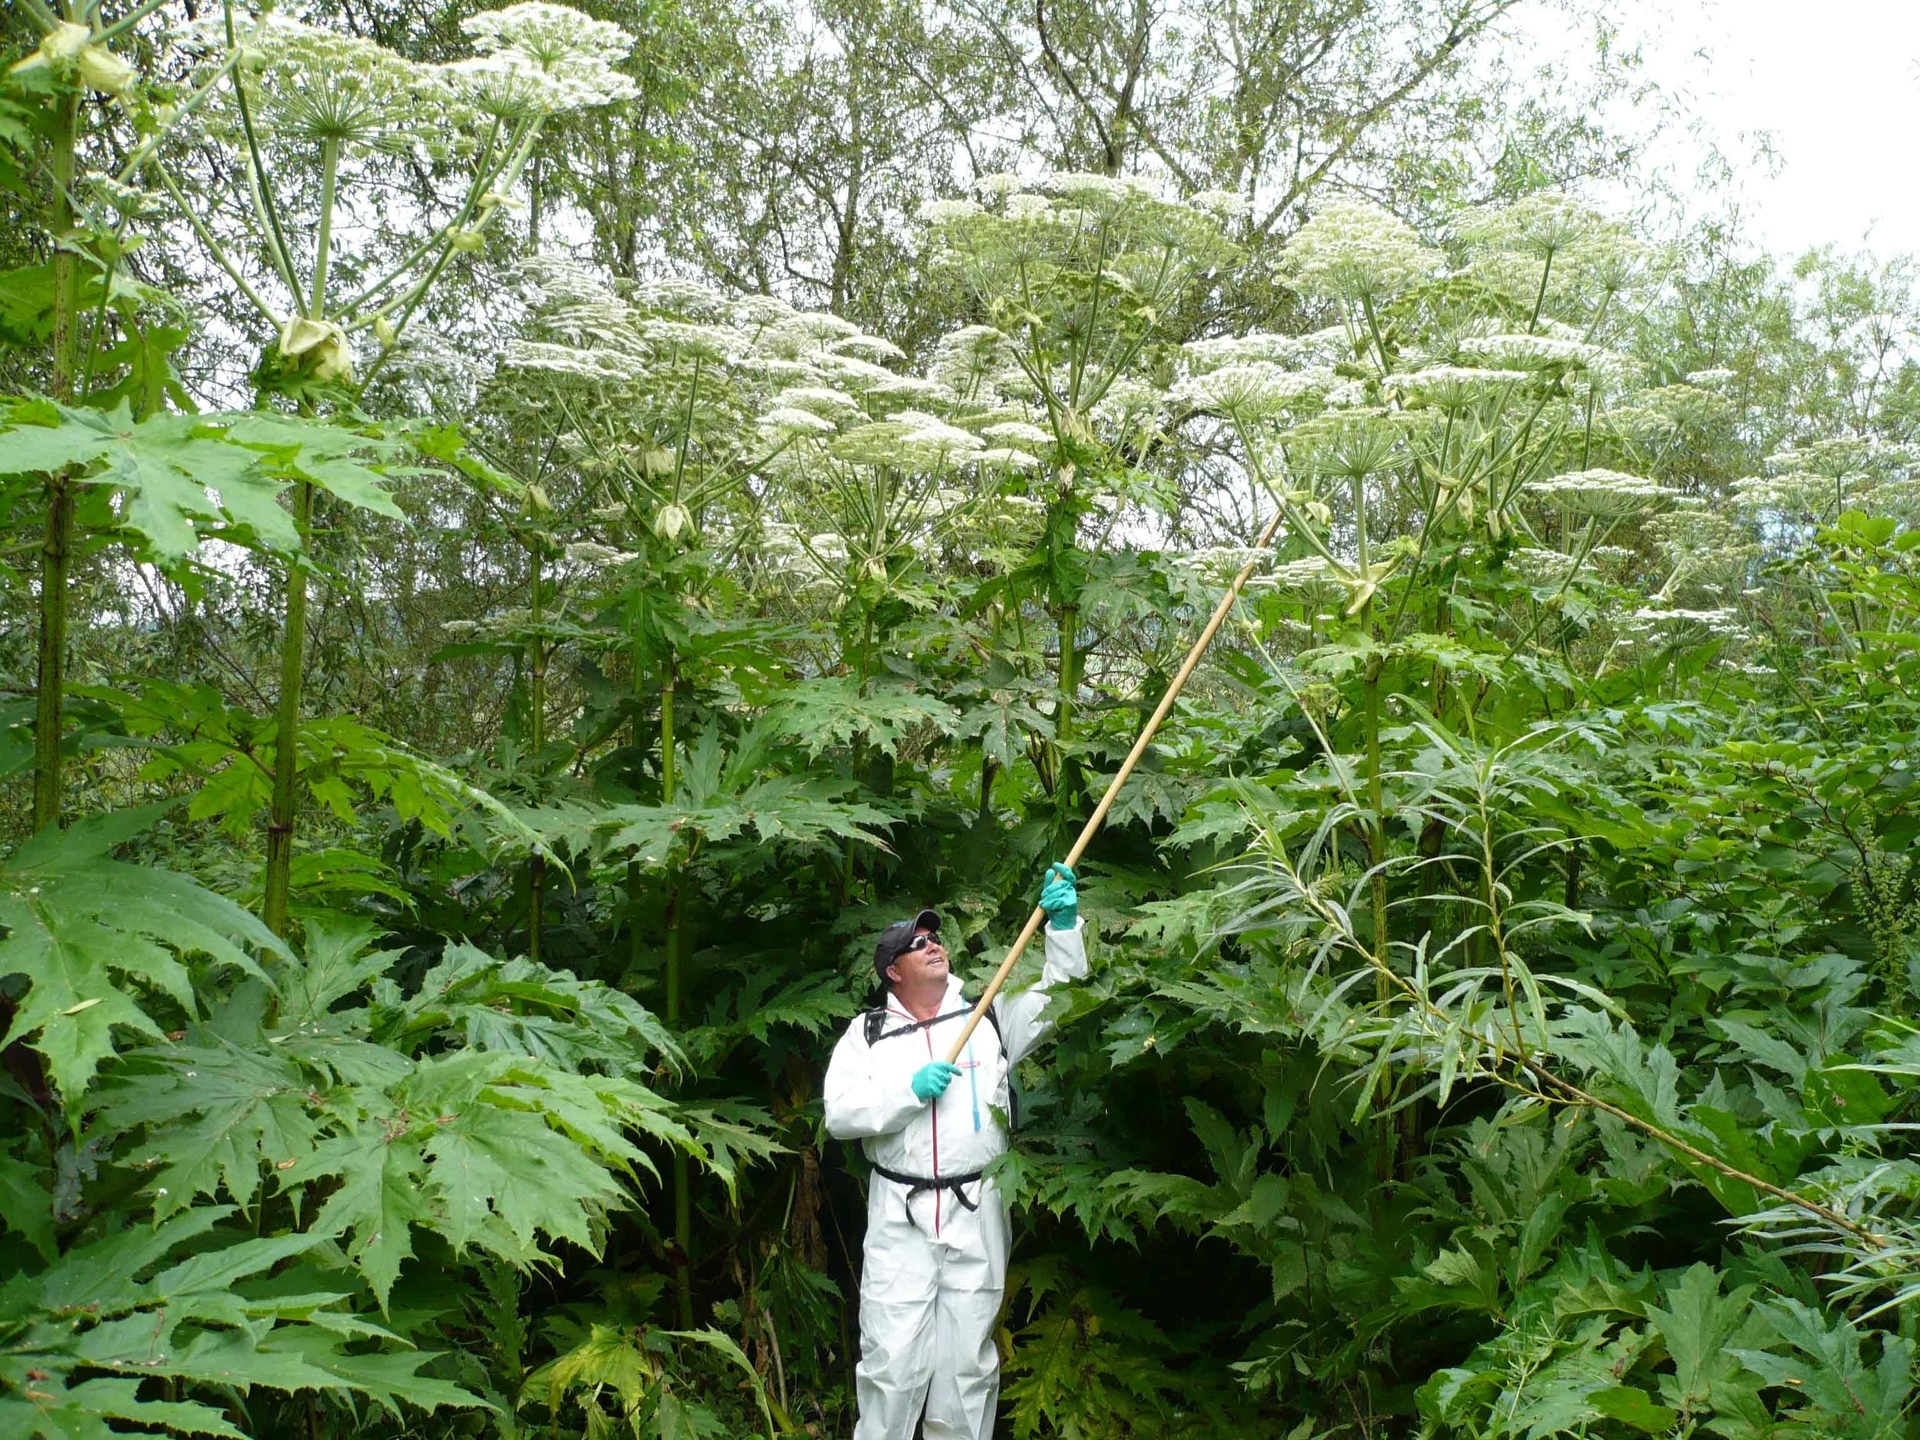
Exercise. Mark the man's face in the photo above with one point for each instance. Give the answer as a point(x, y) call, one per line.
point(928, 962)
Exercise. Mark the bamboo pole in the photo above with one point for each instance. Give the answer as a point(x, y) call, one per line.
point(1092, 827)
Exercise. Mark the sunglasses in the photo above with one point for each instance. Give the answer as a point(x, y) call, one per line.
point(916, 944)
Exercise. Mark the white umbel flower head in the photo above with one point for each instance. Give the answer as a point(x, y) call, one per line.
point(1221, 204)
point(1007, 458)
point(1599, 492)
point(538, 58)
point(790, 420)
point(1306, 574)
point(1017, 432)
point(1543, 567)
point(690, 341)
point(1253, 390)
point(1452, 387)
point(589, 553)
point(1531, 352)
point(1084, 188)
point(817, 400)
point(948, 212)
point(312, 85)
point(1211, 354)
point(1709, 379)
point(1353, 251)
point(869, 347)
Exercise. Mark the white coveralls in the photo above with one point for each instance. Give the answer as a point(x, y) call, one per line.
point(934, 1268)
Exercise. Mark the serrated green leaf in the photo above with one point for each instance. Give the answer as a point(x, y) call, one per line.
point(26, 1205)
point(165, 465)
point(1633, 1407)
point(378, 1201)
point(491, 1164)
point(90, 934)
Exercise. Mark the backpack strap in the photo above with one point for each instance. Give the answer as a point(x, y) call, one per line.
point(875, 1025)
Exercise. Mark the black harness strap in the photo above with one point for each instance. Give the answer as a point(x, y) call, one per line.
point(877, 1024)
point(918, 1185)
point(876, 1031)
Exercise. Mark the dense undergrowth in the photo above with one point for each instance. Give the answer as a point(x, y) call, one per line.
point(467, 711)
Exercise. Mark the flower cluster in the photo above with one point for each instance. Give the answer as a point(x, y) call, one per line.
point(538, 58)
point(1720, 620)
point(1543, 567)
point(311, 85)
point(1548, 246)
point(1599, 492)
point(1253, 390)
point(1452, 387)
point(1353, 251)
point(1531, 352)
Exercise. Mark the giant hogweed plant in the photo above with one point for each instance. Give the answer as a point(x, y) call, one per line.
point(110, 950)
point(1469, 474)
point(294, 111)
point(1078, 278)
point(1438, 447)
point(311, 1136)
point(1470, 485)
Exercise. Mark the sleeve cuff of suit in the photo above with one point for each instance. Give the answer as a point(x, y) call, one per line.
point(1067, 951)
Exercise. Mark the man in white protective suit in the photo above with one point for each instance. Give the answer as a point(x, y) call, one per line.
point(935, 1264)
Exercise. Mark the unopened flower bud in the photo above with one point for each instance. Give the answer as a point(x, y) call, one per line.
point(672, 519)
point(100, 69)
point(321, 340)
point(383, 330)
point(466, 241)
point(64, 43)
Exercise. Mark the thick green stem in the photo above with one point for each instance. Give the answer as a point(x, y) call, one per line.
point(322, 249)
point(635, 880)
point(1377, 829)
point(1376, 861)
point(537, 703)
point(1064, 769)
point(676, 980)
point(56, 555)
point(56, 551)
point(283, 809)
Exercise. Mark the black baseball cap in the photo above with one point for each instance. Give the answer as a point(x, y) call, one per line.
point(895, 937)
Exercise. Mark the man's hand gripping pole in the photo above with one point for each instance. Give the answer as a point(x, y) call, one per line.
point(1092, 827)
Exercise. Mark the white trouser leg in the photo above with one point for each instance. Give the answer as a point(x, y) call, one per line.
point(899, 1289)
point(965, 1389)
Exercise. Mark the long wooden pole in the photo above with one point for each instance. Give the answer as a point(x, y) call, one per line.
point(1092, 827)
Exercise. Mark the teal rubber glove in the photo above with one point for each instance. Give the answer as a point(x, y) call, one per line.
point(932, 1079)
point(1059, 898)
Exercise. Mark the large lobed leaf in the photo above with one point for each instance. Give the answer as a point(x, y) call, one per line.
point(124, 1306)
point(181, 474)
point(459, 1109)
point(95, 937)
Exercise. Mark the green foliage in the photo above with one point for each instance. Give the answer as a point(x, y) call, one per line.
point(94, 937)
point(1502, 1020)
point(491, 1145)
point(168, 469)
point(126, 1306)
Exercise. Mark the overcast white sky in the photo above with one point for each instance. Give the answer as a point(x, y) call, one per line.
point(1836, 86)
